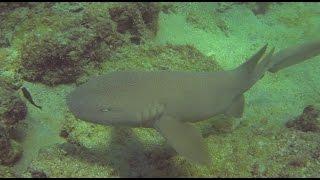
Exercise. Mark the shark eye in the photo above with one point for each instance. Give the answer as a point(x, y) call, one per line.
point(105, 110)
point(109, 108)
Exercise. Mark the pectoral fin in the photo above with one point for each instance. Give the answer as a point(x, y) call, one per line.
point(184, 138)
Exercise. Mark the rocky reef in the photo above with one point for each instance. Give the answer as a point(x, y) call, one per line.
point(309, 120)
point(10, 150)
point(12, 111)
point(55, 52)
point(51, 44)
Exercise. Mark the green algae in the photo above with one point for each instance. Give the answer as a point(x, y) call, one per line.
point(260, 146)
point(55, 52)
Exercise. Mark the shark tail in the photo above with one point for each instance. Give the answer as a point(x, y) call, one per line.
point(254, 68)
point(262, 67)
point(294, 55)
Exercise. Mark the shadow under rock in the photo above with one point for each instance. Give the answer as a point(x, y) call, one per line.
point(129, 158)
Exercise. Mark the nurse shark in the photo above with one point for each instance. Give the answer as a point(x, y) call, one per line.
point(170, 101)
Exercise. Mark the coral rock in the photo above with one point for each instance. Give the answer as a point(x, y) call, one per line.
point(10, 151)
point(308, 121)
point(12, 108)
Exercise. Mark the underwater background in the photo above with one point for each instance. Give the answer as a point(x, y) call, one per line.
point(50, 48)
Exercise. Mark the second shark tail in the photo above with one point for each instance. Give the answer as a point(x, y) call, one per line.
point(294, 55)
point(253, 69)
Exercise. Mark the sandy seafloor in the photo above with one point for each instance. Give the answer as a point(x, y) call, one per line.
point(260, 146)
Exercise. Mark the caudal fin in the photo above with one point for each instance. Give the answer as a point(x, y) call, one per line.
point(262, 66)
point(253, 69)
point(249, 66)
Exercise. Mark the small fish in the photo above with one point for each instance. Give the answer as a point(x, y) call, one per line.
point(27, 95)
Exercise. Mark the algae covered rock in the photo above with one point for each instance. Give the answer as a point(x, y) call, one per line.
point(12, 108)
point(309, 120)
point(137, 19)
point(258, 8)
point(58, 48)
point(38, 174)
point(161, 57)
point(10, 151)
point(11, 15)
point(8, 6)
point(48, 60)
point(12, 111)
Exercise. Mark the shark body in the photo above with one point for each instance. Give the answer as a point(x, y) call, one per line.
point(168, 101)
